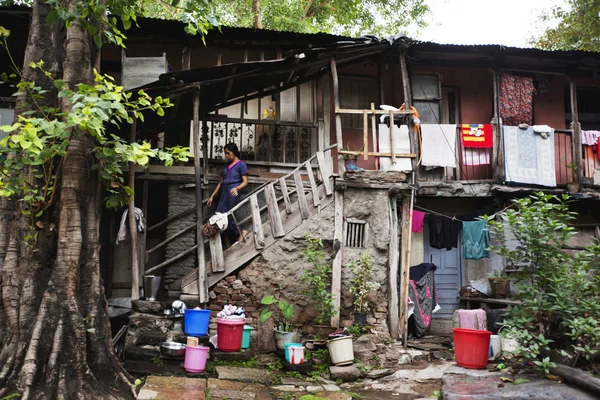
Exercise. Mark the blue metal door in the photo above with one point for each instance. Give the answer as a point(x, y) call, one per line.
point(448, 276)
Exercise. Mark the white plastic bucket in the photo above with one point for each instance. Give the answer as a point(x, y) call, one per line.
point(509, 345)
point(341, 350)
point(495, 347)
point(296, 354)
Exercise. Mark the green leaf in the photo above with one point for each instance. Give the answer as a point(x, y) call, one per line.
point(98, 40)
point(92, 29)
point(520, 380)
point(268, 300)
point(51, 17)
point(126, 23)
point(91, 330)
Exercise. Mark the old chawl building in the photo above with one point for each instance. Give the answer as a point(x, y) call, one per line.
point(305, 112)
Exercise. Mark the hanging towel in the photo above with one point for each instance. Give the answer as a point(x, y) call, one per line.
point(417, 221)
point(401, 146)
point(439, 145)
point(476, 157)
point(477, 136)
point(475, 240)
point(528, 158)
point(470, 319)
point(543, 130)
point(590, 138)
point(139, 217)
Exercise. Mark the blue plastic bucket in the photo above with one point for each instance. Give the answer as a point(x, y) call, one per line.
point(246, 336)
point(286, 348)
point(196, 322)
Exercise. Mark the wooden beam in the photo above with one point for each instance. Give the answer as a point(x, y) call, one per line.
point(325, 172)
point(171, 238)
point(338, 118)
point(135, 262)
point(217, 261)
point(274, 215)
point(498, 143)
point(375, 112)
point(412, 132)
point(302, 203)
point(286, 195)
point(313, 183)
point(259, 235)
point(576, 136)
point(366, 134)
point(200, 257)
point(407, 204)
point(173, 259)
point(393, 256)
point(374, 134)
point(391, 123)
point(338, 246)
point(186, 59)
point(377, 154)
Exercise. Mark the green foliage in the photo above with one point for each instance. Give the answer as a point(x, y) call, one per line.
point(157, 361)
point(357, 330)
point(578, 27)
point(348, 17)
point(312, 397)
point(320, 359)
point(12, 396)
point(38, 140)
point(282, 314)
point(361, 285)
point(559, 291)
point(318, 278)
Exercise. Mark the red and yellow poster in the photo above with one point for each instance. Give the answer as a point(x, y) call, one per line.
point(477, 135)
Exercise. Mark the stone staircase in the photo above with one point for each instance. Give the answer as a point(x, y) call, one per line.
point(267, 214)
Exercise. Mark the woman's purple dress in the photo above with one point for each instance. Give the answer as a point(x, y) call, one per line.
point(232, 177)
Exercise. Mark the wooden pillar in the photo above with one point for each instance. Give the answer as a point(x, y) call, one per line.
point(186, 59)
point(205, 150)
point(338, 245)
point(412, 133)
point(338, 118)
point(407, 205)
point(498, 144)
point(135, 262)
point(393, 257)
point(576, 136)
point(145, 212)
point(201, 260)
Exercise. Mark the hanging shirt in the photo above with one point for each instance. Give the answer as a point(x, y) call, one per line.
point(475, 240)
point(443, 232)
point(417, 220)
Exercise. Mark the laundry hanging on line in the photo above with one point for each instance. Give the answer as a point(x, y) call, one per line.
point(475, 240)
point(439, 145)
point(478, 136)
point(139, 218)
point(443, 232)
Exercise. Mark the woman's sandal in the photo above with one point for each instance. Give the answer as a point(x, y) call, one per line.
point(242, 237)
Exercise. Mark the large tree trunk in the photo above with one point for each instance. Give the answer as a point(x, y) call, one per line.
point(55, 338)
point(256, 12)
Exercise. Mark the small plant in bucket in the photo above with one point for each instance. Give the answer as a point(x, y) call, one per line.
point(361, 286)
point(283, 314)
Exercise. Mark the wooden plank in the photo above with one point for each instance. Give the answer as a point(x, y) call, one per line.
point(377, 154)
point(393, 256)
point(301, 195)
point(135, 262)
point(407, 202)
point(325, 172)
point(171, 238)
point(200, 257)
point(376, 112)
point(391, 122)
point(313, 184)
point(412, 132)
point(498, 143)
point(576, 136)
point(374, 134)
point(286, 195)
point(174, 259)
point(274, 215)
point(259, 236)
point(366, 134)
point(216, 253)
point(338, 243)
point(338, 118)
point(166, 221)
point(243, 252)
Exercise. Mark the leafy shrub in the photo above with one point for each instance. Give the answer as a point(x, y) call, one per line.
point(318, 278)
point(559, 291)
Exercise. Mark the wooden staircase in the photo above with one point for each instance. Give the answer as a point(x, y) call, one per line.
point(267, 214)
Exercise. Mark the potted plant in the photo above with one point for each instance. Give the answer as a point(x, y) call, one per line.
point(318, 278)
point(282, 313)
point(499, 284)
point(361, 286)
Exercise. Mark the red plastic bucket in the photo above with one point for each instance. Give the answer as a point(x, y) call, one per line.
point(229, 334)
point(471, 347)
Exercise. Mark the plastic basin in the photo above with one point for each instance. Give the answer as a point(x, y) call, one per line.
point(471, 347)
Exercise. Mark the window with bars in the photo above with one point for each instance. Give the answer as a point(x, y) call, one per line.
point(355, 233)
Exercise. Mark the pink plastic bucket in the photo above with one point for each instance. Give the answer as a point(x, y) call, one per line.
point(229, 334)
point(195, 358)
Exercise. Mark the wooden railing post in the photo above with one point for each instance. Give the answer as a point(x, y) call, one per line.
point(338, 118)
point(407, 206)
point(498, 143)
point(393, 255)
point(412, 133)
point(338, 246)
point(135, 262)
point(200, 257)
point(576, 136)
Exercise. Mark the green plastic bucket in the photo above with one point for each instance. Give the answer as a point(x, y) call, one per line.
point(246, 337)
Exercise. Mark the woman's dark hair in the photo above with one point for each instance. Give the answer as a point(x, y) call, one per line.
point(232, 147)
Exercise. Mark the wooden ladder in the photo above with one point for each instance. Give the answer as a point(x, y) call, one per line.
point(270, 213)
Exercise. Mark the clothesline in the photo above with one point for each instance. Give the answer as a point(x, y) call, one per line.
point(419, 208)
